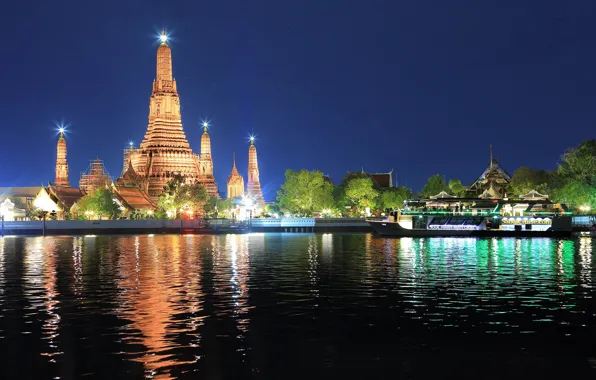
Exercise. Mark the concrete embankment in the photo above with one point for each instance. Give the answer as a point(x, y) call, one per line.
point(186, 226)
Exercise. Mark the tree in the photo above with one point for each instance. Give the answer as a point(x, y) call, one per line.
point(215, 207)
point(394, 197)
point(580, 163)
point(360, 193)
point(434, 186)
point(305, 192)
point(272, 209)
point(457, 188)
point(100, 202)
point(178, 196)
point(526, 179)
point(576, 194)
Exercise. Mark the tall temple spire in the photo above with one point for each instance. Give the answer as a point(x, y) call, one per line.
point(254, 186)
point(165, 150)
point(205, 142)
point(61, 162)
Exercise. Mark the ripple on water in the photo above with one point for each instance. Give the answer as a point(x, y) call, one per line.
point(171, 306)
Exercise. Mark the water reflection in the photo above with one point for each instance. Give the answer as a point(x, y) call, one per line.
point(159, 297)
point(235, 306)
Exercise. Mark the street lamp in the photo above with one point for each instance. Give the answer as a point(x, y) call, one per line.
point(585, 208)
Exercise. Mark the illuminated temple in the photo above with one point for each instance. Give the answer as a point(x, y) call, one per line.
point(253, 187)
point(165, 151)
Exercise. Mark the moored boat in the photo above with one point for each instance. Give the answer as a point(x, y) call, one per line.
point(450, 216)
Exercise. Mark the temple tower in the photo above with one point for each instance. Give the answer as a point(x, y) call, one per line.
point(165, 151)
point(61, 163)
point(205, 163)
point(253, 188)
point(235, 182)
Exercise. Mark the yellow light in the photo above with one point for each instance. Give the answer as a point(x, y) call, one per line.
point(150, 212)
point(45, 203)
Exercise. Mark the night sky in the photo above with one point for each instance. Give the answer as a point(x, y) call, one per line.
point(421, 87)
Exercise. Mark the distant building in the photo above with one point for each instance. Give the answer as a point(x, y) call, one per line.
point(58, 200)
point(130, 191)
point(381, 180)
point(24, 194)
point(492, 183)
point(95, 177)
point(235, 182)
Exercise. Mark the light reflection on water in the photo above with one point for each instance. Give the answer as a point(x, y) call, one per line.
point(172, 306)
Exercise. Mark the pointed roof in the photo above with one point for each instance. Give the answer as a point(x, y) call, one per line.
point(130, 177)
point(235, 175)
point(486, 194)
point(493, 178)
point(67, 196)
point(234, 169)
point(534, 196)
point(134, 198)
point(441, 195)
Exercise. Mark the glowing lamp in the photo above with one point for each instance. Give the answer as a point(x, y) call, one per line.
point(205, 124)
point(163, 37)
point(61, 130)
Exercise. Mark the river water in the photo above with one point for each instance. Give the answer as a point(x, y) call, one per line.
point(272, 306)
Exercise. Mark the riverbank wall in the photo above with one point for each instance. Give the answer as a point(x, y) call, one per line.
point(183, 226)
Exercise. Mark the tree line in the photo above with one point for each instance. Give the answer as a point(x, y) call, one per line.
point(307, 192)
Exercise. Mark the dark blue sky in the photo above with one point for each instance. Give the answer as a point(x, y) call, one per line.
point(421, 87)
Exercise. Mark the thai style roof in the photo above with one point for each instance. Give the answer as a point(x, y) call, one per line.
point(235, 176)
point(441, 195)
point(486, 194)
point(64, 196)
point(134, 198)
point(534, 195)
point(129, 178)
point(382, 180)
point(494, 173)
